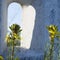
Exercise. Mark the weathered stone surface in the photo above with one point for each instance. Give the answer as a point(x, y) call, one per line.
point(47, 12)
point(0, 22)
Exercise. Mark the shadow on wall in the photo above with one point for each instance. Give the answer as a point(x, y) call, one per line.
point(39, 33)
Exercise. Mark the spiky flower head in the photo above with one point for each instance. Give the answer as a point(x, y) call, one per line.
point(52, 29)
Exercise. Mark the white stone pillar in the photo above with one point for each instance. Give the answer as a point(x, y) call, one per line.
point(28, 21)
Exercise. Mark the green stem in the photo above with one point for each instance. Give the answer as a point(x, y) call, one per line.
point(51, 49)
point(12, 51)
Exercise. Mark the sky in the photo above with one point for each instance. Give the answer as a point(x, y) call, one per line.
point(14, 14)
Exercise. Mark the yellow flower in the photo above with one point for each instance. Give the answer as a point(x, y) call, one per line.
point(15, 35)
point(1, 58)
point(7, 38)
point(51, 37)
point(52, 29)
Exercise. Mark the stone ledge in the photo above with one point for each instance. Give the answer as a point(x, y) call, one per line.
point(30, 55)
point(26, 54)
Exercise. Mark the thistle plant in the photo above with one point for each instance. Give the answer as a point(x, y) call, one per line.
point(53, 33)
point(13, 38)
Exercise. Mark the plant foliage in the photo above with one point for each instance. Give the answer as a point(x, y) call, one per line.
point(13, 38)
point(51, 53)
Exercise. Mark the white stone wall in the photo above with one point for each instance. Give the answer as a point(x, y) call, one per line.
point(28, 21)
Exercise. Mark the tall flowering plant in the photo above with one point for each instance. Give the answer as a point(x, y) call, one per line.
point(53, 34)
point(13, 38)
